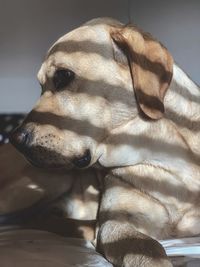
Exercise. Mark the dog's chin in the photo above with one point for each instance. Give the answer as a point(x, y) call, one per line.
point(54, 166)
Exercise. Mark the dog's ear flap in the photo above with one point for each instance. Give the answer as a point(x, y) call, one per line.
point(151, 68)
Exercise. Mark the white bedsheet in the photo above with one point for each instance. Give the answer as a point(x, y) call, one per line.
point(184, 251)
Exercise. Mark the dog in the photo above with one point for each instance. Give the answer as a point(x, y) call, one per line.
point(114, 100)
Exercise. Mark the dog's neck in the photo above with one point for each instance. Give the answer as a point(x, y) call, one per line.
point(182, 108)
point(183, 97)
point(181, 83)
point(172, 142)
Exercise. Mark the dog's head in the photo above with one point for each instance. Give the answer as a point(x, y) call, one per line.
point(93, 80)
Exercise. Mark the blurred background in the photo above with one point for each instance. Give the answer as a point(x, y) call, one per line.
point(29, 27)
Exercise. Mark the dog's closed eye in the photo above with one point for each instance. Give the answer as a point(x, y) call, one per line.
point(62, 78)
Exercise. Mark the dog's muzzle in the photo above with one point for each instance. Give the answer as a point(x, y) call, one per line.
point(42, 156)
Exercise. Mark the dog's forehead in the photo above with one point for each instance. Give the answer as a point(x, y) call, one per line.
point(82, 37)
point(88, 43)
point(85, 40)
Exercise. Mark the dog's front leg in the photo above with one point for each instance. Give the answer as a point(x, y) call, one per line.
point(123, 245)
point(122, 224)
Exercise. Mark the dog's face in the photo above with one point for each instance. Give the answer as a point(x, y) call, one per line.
point(87, 92)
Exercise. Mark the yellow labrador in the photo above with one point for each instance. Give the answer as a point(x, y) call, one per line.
point(113, 99)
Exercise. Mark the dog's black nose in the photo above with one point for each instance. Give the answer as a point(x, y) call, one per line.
point(20, 138)
point(83, 161)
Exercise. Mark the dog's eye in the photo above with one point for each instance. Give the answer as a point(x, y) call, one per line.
point(62, 78)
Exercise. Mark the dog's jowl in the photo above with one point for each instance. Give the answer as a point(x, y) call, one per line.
point(113, 99)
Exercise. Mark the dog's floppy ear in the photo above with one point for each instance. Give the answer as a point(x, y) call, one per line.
point(151, 68)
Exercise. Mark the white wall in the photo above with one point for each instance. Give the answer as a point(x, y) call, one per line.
point(29, 27)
